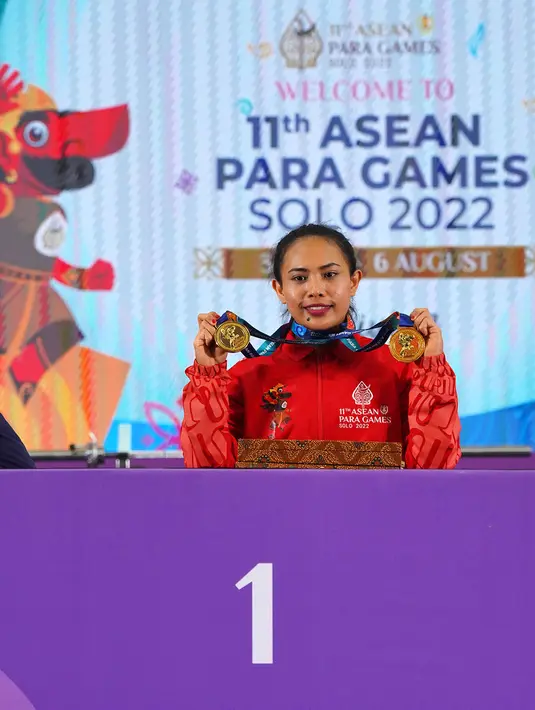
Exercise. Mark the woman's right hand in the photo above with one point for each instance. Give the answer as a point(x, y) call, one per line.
point(207, 353)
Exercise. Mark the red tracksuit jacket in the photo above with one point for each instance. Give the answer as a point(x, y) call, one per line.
point(325, 392)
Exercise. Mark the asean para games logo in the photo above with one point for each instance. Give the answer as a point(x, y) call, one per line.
point(362, 394)
point(301, 43)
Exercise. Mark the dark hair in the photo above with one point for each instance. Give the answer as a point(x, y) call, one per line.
point(312, 230)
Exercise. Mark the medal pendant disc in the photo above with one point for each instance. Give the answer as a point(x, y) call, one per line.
point(407, 345)
point(232, 336)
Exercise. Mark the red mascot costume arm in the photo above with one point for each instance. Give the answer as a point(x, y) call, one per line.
point(98, 277)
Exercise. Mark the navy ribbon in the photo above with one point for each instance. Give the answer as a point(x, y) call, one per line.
point(305, 336)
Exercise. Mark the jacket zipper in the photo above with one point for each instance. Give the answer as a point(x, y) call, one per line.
point(320, 395)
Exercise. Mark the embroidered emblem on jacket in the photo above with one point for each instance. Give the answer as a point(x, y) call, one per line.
point(275, 400)
point(362, 394)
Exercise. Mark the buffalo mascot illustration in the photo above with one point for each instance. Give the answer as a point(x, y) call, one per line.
point(55, 390)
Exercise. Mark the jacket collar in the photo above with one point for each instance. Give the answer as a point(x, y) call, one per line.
point(299, 352)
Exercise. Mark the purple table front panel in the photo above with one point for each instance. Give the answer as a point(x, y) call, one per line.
point(392, 591)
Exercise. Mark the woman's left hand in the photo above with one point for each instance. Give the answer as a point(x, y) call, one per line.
point(423, 322)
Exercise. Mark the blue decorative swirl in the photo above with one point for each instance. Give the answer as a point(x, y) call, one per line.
point(477, 38)
point(299, 330)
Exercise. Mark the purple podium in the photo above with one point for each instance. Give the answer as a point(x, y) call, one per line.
point(267, 590)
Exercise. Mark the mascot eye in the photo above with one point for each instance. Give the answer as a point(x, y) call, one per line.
point(36, 134)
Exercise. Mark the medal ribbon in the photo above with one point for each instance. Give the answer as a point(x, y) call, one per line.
point(305, 336)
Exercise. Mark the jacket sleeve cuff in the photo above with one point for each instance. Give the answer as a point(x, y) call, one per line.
point(209, 370)
point(202, 374)
point(434, 363)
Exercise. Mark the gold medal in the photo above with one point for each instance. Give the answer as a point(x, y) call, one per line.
point(407, 344)
point(232, 336)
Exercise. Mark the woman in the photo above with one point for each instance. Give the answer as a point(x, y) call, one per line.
point(323, 392)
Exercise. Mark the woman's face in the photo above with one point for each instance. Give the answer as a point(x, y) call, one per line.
point(316, 283)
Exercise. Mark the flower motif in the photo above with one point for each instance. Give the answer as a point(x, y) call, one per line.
point(169, 439)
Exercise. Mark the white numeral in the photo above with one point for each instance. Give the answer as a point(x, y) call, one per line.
point(261, 578)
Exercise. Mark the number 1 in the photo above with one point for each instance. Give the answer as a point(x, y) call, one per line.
point(261, 578)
